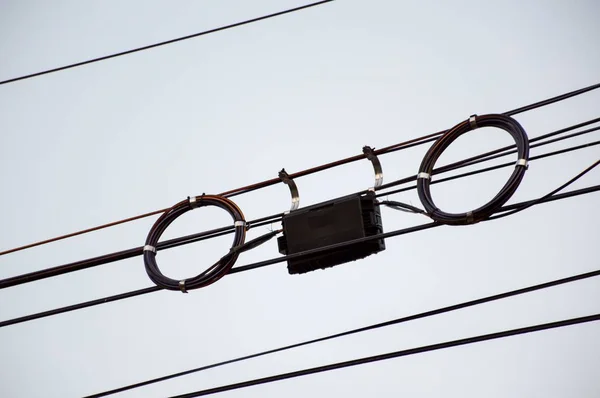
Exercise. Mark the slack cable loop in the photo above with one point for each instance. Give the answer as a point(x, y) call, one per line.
point(427, 166)
point(370, 154)
point(213, 273)
point(287, 180)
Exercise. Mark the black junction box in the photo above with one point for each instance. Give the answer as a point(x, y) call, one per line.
point(336, 221)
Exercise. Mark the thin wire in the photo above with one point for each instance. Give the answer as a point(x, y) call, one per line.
point(396, 321)
point(266, 183)
point(264, 263)
point(163, 43)
point(395, 354)
point(129, 253)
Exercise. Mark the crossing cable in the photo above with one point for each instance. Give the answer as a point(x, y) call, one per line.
point(395, 354)
point(405, 319)
point(260, 264)
point(163, 43)
point(124, 254)
point(273, 181)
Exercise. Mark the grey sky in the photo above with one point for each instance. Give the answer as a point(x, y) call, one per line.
point(110, 140)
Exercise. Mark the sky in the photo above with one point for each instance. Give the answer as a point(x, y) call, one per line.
point(137, 133)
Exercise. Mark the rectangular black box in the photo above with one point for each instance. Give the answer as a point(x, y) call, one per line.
point(336, 221)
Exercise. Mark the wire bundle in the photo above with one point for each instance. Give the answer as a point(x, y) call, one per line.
point(503, 122)
point(217, 270)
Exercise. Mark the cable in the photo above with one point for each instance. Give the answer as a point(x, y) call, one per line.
point(532, 203)
point(260, 264)
point(395, 354)
point(266, 183)
point(117, 256)
point(215, 272)
point(506, 123)
point(396, 321)
point(163, 43)
point(487, 169)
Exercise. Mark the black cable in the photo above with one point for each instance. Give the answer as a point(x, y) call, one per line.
point(129, 253)
point(491, 168)
point(552, 100)
point(532, 203)
point(264, 263)
point(395, 354)
point(163, 43)
point(401, 206)
point(396, 321)
point(215, 272)
point(425, 174)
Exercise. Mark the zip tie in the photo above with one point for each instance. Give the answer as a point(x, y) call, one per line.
point(473, 121)
point(424, 175)
point(469, 217)
point(239, 224)
point(182, 286)
point(192, 201)
point(522, 162)
point(149, 248)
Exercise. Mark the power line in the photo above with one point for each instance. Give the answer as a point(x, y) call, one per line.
point(395, 354)
point(264, 263)
point(273, 181)
point(163, 43)
point(129, 253)
point(396, 321)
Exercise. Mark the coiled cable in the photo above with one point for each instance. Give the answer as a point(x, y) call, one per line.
point(503, 122)
point(213, 273)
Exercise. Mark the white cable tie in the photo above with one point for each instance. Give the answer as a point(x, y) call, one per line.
point(522, 162)
point(473, 121)
point(182, 286)
point(239, 223)
point(424, 175)
point(149, 248)
point(192, 200)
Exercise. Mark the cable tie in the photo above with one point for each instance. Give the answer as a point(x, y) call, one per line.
point(470, 217)
point(473, 121)
point(182, 286)
point(192, 201)
point(522, 162)
point(239, 224)
point(424, 175)
point(149, 248)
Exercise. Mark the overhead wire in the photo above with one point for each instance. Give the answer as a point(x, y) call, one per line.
point(163, 43)
point(264, 263)
point(395, 354)
point(124, 254)
point(396, 321)
point(249, 188)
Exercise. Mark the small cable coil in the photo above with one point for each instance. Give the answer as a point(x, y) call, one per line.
point(214, 272)
point(426, 169)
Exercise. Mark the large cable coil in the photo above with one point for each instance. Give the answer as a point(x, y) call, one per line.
point(426, 169)
point(213, 273)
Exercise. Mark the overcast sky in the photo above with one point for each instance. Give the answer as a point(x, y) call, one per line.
point(138, 133)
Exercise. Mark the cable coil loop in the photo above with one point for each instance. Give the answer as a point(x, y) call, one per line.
point(426, 169)
point(213, 273)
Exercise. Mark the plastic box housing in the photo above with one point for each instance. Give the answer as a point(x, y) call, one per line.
point(336, 221)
